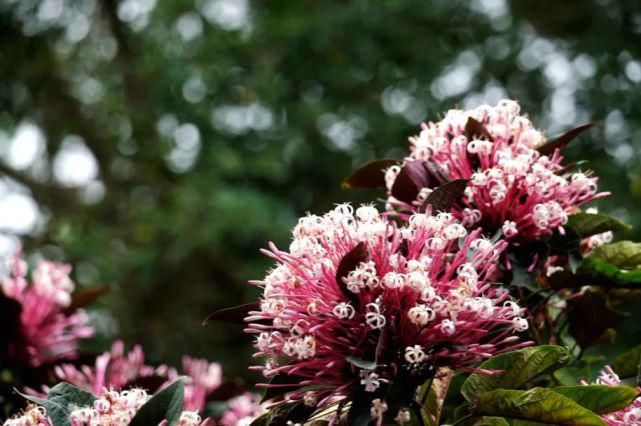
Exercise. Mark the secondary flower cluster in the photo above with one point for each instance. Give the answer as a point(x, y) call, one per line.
point(629, 416)
point(359, 301)
point(48, 333)
point(118, 370)
point(512, 187)
point(242, 410)
point(110, 409)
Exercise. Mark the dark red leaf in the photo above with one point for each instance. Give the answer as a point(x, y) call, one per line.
point(370, 175)
point(84, 297)
point(561, 141)
point(235, 315)
point(474, 129)
point(444, 196)
point(348, 263)
point(413, 176)
point(591, 317)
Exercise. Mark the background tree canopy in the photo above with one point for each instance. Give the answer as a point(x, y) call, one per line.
point(157, 146)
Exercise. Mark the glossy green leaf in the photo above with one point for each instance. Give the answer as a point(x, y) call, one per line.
point(518, 367)
point(435, 399)
point(627, 363)
point(586, 224)
point(624, 254)
point(361, 363)
point(537, 404)
point(491, 421)
point(61, 400)
point(165, 405)
point(599, 398)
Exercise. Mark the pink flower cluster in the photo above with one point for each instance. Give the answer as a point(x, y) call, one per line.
point(629, 416)
point(242, 410)
point(117, 370)
point(359, 301)
point(110, 409)
point(512, 187)
point(48, 332)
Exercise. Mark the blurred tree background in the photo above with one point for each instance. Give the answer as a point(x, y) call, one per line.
point(157, 146)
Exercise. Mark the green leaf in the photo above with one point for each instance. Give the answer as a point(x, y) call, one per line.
point(370, 175)
point(537, 404)
point(586, 224)
point(361, 363)
point(435, 398)
point(627, 364)
point(624, 254)
point(61, 400)
point(491, 421)
point(600, 399)
point(518, 368)
point(165, 405)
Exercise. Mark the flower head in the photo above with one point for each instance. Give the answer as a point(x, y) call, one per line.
point(48, 332)
point(512, 187)
point(242, 410)
point(359, 301)
point(33, 416)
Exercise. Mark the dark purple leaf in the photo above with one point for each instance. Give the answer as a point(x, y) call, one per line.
point(84, 297)
point(370, 175)
point(474, 129)
point(591, 318)
point(444, 196)
point(235, 315)
point(348, 263)
point(413, 176)
point(561, 141)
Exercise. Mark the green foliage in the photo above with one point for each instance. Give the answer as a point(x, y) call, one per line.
point(624, 254)
point(587, 224)
point(166, 404)
point(627, 364)
point(537, 404)
point(61, 400)
point(514, 369)
point(600, 399)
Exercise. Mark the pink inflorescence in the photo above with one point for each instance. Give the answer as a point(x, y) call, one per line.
point(512, 187)
point(413, 298)
point(629, 416)
point(49, 333)
point(242, 410)
point(118, 370)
